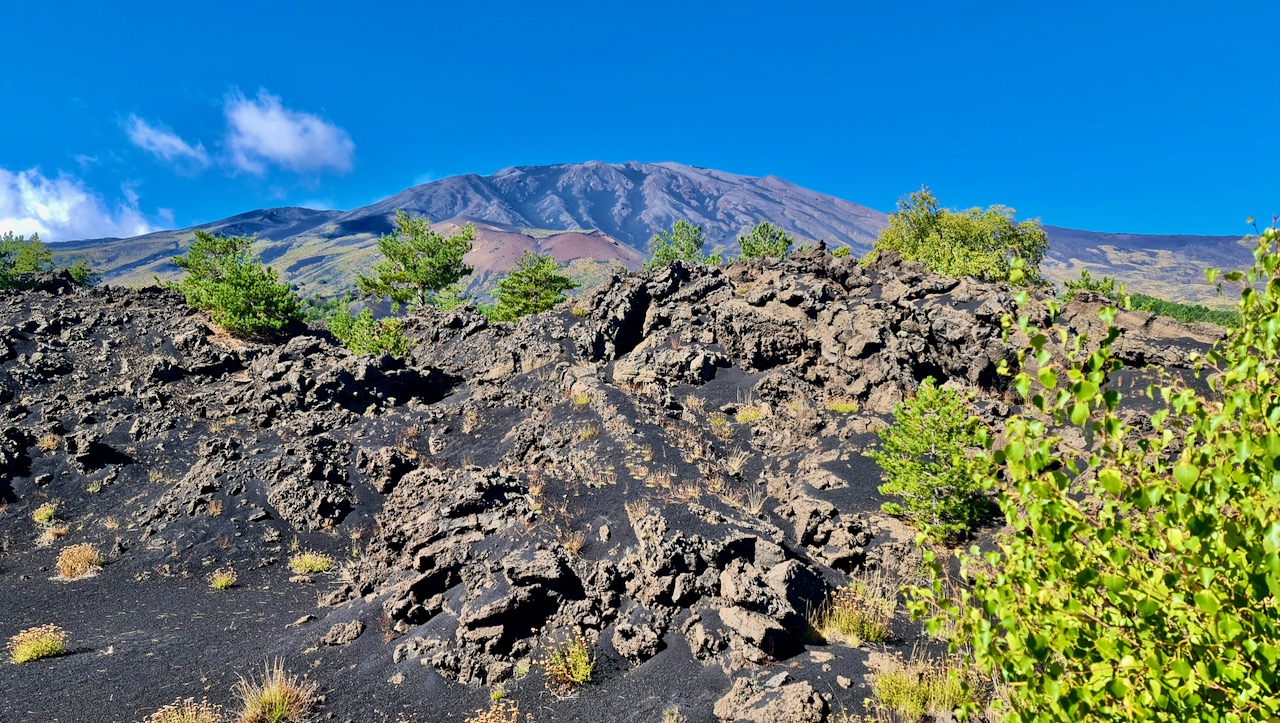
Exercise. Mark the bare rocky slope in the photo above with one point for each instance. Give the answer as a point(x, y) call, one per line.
point(654, 467)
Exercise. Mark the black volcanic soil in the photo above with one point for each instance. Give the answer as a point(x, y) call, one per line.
point(507, 485)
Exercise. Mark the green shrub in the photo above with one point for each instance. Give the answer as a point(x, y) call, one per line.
point(536, 285)
point(968, 243)
point(417, 262)
point(363, 334)
point(1138, 580)
point(45, 641)
point(840, 252)
point(1105, 286)
point(765, 239)
point(569, 664)
point(926, 458)
point(308, 563)
point(224, 278)
point(684, 242)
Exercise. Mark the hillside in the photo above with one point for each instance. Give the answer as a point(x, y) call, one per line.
point(597, 214)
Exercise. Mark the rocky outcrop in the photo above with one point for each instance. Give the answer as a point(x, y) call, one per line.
point(663, 471)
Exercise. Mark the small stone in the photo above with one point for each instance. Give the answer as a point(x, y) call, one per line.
point(777, 681)
point(301, 620)
point(343, 633)
point(843, 682)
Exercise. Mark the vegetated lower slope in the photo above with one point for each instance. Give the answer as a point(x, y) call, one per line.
point(671, 468)
point(611, 211)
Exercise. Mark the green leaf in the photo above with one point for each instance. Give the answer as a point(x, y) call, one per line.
point(1048, 378)
point(1207, 601)
point(1186, 475)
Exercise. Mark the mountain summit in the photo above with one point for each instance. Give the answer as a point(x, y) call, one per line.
point(593, 214)
point(631, 202)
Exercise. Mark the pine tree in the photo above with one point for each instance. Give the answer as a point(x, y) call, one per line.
point(927, 463)
point(535, 285)
point(683, 242)
point(224, 278)
point(765, 239)
point(418, 262)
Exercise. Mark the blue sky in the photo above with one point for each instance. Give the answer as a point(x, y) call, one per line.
point(1157, 117)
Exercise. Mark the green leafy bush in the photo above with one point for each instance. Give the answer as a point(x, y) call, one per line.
point(765, 239)
point(363, 334)
point(224, 278)
point(684, 242)
point(417, 262)
point(1140, 579)
point(1105, 286)
point(926, 456)
point(968, 243)
point(535, 285)
point(840, 252)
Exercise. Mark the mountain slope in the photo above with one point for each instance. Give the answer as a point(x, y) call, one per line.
point(594, 214)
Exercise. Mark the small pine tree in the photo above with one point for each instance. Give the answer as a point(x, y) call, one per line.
point(418, 262)
point(32, 256)
point(926, 458)
point(82, 273)
point(684, 242)
point(224, 278)
point(363, 334)
point(535, 285)
point(765, 239)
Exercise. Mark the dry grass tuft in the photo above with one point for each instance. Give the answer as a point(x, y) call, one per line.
point(277, 698)
point(571, 540)
point(45, 641)
point(720, 427)
point(500, 712)
point(187, 711)
point(842, 406)
point(859, 612)
point(48, 442)
point(308, 563)
point(749, 413)
point(909, 691)
point(736, 462)
point(223, 578)
point(77, 561)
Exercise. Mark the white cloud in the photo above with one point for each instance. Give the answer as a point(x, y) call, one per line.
point(261, 131)
point(167, 145)
point(64, 208)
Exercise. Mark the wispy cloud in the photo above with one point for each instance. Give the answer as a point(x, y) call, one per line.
point(262, 132)
point(167, 145)
point(64, 208)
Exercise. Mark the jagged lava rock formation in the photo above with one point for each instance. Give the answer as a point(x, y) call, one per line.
point(653, 465)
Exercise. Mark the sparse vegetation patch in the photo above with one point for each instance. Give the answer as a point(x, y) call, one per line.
point(35, 643)
point(276, 697)
point(309, 563)
point(77, 561)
